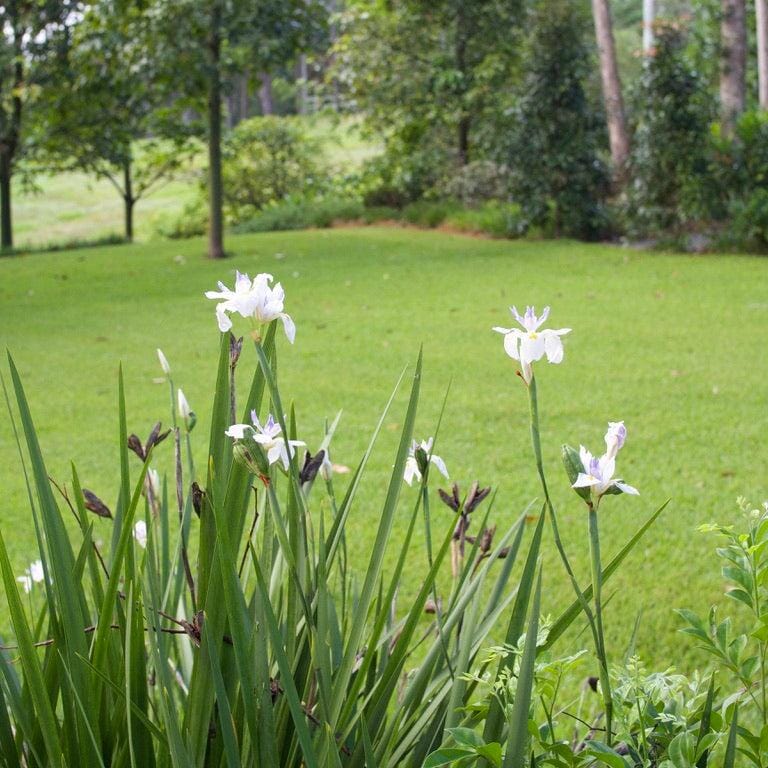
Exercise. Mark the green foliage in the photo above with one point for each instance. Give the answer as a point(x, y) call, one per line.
point(478, 182)
point(267, 651)
point(555, 134)
point(673, 108)
point(493, 218)
point(267, 159)
point(302, 214)
point(427, 77)
point(741, 655)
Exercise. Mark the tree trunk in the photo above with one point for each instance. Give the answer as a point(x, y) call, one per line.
point(733, 64)
point(649, 16)
point(303, 95)
point(761, 17)
point(243, 93)
point(128, 200)
point(461, 66)
point(215, 189)
point(464, 123)
point(6, 232)
point(265, 94)
point(609, 73)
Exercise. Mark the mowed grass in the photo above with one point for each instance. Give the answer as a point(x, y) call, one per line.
point(674, 345)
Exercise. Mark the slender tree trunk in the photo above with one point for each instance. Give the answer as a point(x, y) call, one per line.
point(215, 189)
point(243, 93)
point(265, 94)
point(10, 140)
point(128, 200)
point(733, 64)
point(649, 16)
point(464, 125)
point(6, 231)
point(609, 73)
point(461, 66)
point(761, 17)
point(303, 106)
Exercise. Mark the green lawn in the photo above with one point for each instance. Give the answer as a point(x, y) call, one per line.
point(674, 345)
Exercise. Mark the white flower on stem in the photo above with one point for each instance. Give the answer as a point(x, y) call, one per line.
point(32, 575)
point(413, 470)
point(326, 468)
point(531, 344)
point(164, 364)
point(153, 483)
point(252, 298)
point(268, 436)
point(140, 533)
point(36, 571)
point(187, 414)
point(184, 409)
point(598, 473)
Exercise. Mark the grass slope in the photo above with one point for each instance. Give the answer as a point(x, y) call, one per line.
point(672, 344)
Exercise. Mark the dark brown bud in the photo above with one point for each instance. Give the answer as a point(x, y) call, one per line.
point(475, 497)
point(235, 348)
point(156, 437)
point(135, 445)
point(592, 682)
point(453, 500)
point(311, 466)
point(94, 504)
point(198, 497)
point(274, 689)
point(486, 539)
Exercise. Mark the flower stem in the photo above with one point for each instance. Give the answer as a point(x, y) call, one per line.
point(597, 588)
point(536, 440)
point(596, 580)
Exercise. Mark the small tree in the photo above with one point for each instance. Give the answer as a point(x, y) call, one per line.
point(673, 109)
point(208, 40)
point(110, 108)
point(28, 30)
point(555, 136)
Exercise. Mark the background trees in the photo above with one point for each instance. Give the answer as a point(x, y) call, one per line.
point(470, 100)
point(29, 30)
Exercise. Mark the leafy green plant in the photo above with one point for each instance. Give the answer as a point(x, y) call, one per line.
point(267, 159)
point(220, 623)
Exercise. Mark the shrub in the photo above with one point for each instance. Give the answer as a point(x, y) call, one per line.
point(478, 182)
point(267, 159)
point(427, 213)
point(556, 134)
point(748, 227)
point(494, 218)
point(301, 214)
point(673, 108)
point(191, 222)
